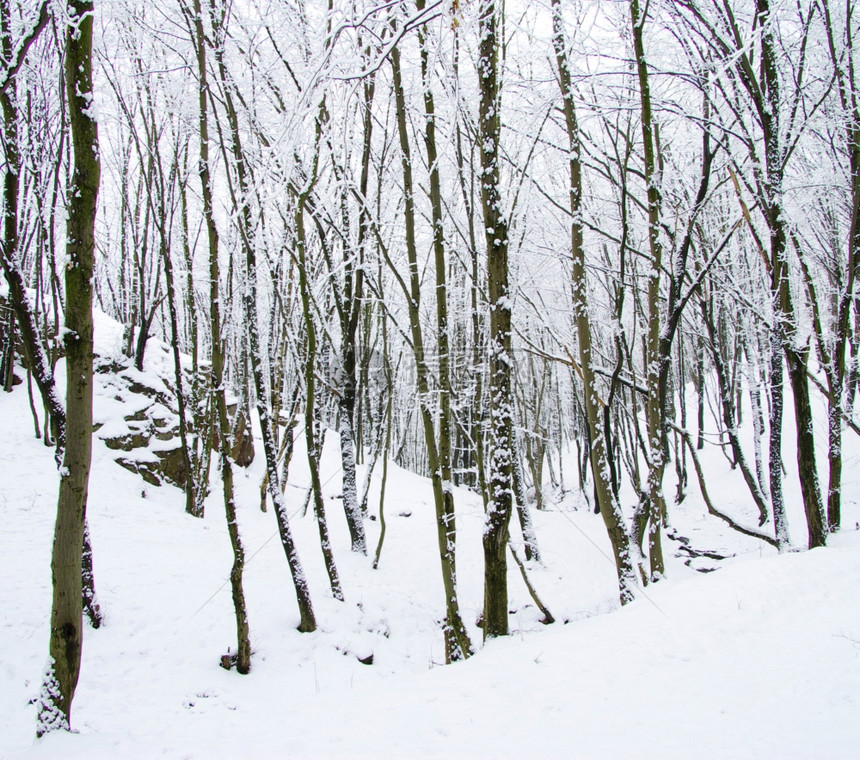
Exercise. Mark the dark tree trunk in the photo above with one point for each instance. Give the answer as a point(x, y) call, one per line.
point(61, 677)
point(243, 216)
point(500, 392)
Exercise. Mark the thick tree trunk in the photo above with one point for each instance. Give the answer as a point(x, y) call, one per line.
point(816, 520)
point(61, 677)
point(784, 329)
point(500, 479)
point(37, 360)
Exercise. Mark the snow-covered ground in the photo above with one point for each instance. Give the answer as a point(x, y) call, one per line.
point(758, 659)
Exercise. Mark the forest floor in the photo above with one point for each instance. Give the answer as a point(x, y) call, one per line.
point(758, 659)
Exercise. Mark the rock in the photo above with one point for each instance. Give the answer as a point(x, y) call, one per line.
point(128, 442)
point(172, 466)
point(139, 468)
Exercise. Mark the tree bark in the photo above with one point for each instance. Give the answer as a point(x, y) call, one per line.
point(654, 357)
point(785, 314)
point(353, 299)
point(500, 476)
point(312, 438)
point(61, 676)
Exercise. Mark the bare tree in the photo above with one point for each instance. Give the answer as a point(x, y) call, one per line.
point(500, 477)
point(61, 675)
point(457, 643)
point(218, 392)
point(606, 497)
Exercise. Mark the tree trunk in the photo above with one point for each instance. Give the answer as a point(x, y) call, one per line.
point(307, 621)
point(243, 663)
point(777, 393)
point(353, 292)
point(61, 677)
point(524, 514)
point(785, 314)
point(654, 356)
point(500, 477)
point(443, 343)
point(457, 643)
point(312, 439)
point(605, 496)
point(840, 402)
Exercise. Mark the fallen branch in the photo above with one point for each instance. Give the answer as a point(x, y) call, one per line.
point(708, 503)
point(547, 615)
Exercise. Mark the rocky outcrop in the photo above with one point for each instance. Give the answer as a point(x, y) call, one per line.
point(136, 416)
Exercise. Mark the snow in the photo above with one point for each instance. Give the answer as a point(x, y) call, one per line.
point(758, 659)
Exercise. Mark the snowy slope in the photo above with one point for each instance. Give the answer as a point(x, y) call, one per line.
point(759, 659)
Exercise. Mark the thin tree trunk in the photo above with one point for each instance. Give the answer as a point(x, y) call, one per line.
point(780, 521)
point(840, 402)
point(353, 300)
point(385, 450)
point(524, 514)
point(191, 500)
point(654, 358)
point(605, 496)
point(700, 393)
point(307, 621)
point(243, 662)
point(729, 417)
point(457, 643)
point(199, 454)
point(312, 440)
point(443, 343)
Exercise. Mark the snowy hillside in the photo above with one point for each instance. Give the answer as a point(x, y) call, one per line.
point(758, 659)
